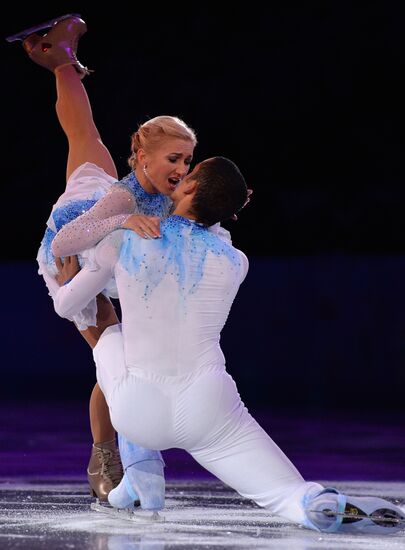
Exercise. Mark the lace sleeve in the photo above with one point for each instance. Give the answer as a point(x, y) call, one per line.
point(84, 232)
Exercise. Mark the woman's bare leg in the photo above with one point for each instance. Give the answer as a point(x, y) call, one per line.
point(100, 423)
point(76, 118)
point(104, 470)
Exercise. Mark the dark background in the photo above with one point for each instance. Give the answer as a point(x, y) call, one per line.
point(307, 99)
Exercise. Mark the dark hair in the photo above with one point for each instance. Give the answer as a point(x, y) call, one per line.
point(221, 191)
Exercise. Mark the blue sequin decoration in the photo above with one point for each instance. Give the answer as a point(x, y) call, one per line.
point(61, 216)
point(71, 210)
point(46, 243)
point(169, 253)
point(149, 204)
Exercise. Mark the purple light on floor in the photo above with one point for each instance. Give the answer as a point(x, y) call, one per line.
point(52, 440)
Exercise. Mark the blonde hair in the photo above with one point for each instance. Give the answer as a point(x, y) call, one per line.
point(151, 133)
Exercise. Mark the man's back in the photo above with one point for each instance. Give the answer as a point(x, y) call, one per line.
point(175, 294)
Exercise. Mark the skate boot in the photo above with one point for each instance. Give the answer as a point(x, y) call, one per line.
point(331, 511)
point(58, 46)
point(143, 480)
point(104, 471)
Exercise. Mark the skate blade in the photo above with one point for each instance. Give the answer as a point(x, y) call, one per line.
point(386, 521)
point(46, 25)
point(139, 517)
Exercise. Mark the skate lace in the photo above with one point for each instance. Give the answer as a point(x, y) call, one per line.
point(111, 466)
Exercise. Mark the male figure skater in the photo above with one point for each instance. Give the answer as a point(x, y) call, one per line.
point(167, 367)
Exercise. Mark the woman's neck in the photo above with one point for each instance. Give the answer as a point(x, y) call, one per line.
point(144, 181)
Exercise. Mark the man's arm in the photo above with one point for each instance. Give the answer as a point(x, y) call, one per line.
point(74, 296)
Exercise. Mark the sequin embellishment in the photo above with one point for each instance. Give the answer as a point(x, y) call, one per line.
point(181, 251)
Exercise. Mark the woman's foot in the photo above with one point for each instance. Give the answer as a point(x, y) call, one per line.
point(104, 471)
point(58, 46)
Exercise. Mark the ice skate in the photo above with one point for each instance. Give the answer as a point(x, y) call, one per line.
point(331, 511)
point(138, 515)
point(22, 35)
point(143, 478)
point(104, 471)
point(58, 46)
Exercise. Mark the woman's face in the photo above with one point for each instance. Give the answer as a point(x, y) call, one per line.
point(166, 166)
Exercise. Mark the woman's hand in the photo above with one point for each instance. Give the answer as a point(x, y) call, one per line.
point(66, 269)
point(147, 227)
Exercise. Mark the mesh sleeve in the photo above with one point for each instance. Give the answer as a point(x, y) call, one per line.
point(108, 214)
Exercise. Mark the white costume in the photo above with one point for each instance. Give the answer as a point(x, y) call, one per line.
point(93, 205)
point(167, 368)
point(103, 203)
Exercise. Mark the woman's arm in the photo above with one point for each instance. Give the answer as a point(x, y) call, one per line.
point(108, 214)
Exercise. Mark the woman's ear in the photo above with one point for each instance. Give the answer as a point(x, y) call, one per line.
point(141, 157)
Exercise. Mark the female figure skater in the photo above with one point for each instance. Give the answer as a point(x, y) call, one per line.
point(161, 154)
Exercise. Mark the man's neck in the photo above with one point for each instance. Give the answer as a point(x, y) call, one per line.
point(183, 212)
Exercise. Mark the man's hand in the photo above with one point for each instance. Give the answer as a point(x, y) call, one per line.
point(66, 269)
point(147, 227)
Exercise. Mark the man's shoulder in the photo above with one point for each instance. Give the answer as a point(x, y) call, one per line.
point(110, 245)
point(113, 238)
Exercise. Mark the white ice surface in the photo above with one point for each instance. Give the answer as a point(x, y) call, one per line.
point(198, 514)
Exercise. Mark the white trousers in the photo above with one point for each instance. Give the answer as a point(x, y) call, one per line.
point(202, 413)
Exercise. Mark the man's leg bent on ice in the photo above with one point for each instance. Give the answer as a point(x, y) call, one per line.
point(240, 453)
point(204, 415)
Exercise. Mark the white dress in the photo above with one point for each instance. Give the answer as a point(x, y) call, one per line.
point(93, 205)
point(105, 204)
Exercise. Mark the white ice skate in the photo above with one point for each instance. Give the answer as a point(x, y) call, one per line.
point(141, 493)
point(136, 515)
point(331, 511)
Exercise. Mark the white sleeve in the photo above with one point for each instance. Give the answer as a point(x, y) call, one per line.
point(108, 214)
point(245, 264)
point(73, 297)
point(221, 232)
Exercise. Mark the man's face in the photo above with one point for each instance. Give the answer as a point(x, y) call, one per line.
point(179, 192)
